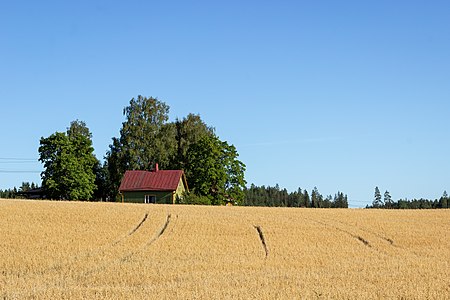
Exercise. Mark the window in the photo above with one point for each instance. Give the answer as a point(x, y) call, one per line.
point(149, 199)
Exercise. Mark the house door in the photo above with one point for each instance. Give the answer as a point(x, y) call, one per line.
point(149, 199)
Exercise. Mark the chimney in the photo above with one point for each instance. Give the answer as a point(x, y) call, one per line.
point(156, 167)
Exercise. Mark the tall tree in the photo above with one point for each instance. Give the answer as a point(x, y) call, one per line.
point(189, 131)
point(25, 187)
point(388, 200)
point(306, 198)
point(340, 200)
point(345, 202)
point(234, 169)
point(328, 202)
point(115, 164)
point(215, 171)
point(68, 160)
point(444, 200)
point(142, 134)
point(316, 198)
point(78, 128)
point(145, 138)
point(101, 182)
point(377, 202)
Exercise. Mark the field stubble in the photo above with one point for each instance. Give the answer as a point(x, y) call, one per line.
point(107, 250)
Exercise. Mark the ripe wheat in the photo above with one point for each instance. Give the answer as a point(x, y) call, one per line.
point(57, 250)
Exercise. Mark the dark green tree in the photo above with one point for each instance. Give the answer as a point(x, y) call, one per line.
point(315, 198)
point(234, 169)
point(143, 134)
point(25, 187)
point(78, 128)
point(328, 202)
point(68, 163)
point(377, 202)
point(115, 166)
point(340, 200)
point(145, 138)
point(388, 200)
point(444, 201)
point(306, 198)
point(215, 171)
point(101, 182)
point(345, 201)
point(189, 131)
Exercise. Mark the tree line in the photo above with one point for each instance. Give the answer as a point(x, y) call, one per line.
point(17, 193)
point(386, 202)
point(8, 193)
point(275, 196)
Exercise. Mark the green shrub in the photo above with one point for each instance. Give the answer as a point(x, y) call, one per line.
point(194, 199)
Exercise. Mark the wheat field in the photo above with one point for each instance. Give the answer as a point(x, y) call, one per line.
point(72, 250)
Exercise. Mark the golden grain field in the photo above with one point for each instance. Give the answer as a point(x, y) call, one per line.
point(72, 250)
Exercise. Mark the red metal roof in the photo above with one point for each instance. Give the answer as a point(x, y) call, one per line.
point(162, 180)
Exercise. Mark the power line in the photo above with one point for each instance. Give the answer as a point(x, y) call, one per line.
point(18, 159)
point(14, 165)
point(19, 171)
point(19, 162)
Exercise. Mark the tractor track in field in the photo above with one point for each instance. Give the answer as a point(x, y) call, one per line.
point(139, 225)
point(131, 232)
point(262, 239)
point(91, 256)
point(130, 254)
point(161, 230)
point(359, 238)
point(386, 240)
point(380, 236)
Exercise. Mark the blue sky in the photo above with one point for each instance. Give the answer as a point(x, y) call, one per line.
point(342, 95)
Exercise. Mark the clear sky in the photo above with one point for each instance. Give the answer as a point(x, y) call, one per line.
point(342, 95)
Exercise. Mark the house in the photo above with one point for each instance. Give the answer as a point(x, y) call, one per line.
point(36, 193)
point(158, 186)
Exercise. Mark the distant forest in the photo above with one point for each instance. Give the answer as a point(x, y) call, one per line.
point(253, 196)
point(386, 202)
point(278, 197)
point(16, 193)
point(274, 196)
